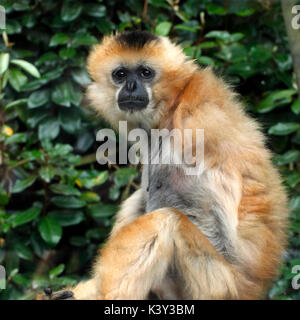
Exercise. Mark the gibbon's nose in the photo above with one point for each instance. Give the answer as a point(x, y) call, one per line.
point(131, 85)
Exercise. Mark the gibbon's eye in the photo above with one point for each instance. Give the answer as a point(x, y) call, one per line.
point(146, 73)
point(120, 74)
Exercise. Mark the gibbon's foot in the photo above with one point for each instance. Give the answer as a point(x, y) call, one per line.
point(59, 295)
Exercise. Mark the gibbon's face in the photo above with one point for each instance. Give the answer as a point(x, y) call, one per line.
point(134, 74)
point(134, 86)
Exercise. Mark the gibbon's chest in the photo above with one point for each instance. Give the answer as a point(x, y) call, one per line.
point(168, 186)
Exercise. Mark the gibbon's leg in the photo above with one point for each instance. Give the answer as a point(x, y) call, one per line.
point(130, 210)
point(136, 259)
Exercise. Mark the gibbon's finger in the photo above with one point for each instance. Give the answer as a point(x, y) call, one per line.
point(63, 295)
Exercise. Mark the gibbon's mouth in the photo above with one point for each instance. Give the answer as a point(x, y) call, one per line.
point(132, 105)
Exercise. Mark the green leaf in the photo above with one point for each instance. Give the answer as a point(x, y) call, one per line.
point(33, 155)
point(288, 157)
point(222, 35)
point(40, 247)
point(284, 61)
point(187, 28)
point(234, 52)
point(47, 173)
point(21, 185)
point(50, 230)
point(3, 83)
point(59, 39)
point(48, 59)
point(243, 69)
point(26, 216)
point(246, 12)
point(95, 10)
point(90, 197)
point(67, 53)
point(61, 95)
point(27, 66)
point(81, 77)
point(275, 99)
point(64, 94)
point(97, 233)
point(21, 280)
point(48, 129)
point(63, 282)
point(260, 53)
point(295, 204)
point(33, 85)
point(215, 9)
point(17, 79)
point(114, 192)
point(23, 251)
point(64, 189)
point(67, 218)
point(16, 103)
point(68, 202)
point(293, 179)
point(296, 106)
point(84, 141)
point(75, 93)
point(207, 45)
point(236, 36)
point(4, 61)
point(56, 271)
point(13, 26)
point(83, 39)
point(123, 176)
point(284, 128)
point(205, 60)
point(163, 28)
point(53, 74)
point(38, 98)
point(104, 210)
point(90, 181)
point(105, 26)
point(70, 119)
point(36, 116)
point(16, 138)
point(70, 11)
point(78, 241)
point(4, 198)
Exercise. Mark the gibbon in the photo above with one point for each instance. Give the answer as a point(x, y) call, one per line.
point(217, 235)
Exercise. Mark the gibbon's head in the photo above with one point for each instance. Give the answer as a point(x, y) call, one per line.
point(135, 76)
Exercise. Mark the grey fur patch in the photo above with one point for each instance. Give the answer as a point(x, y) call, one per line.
point(195, 201)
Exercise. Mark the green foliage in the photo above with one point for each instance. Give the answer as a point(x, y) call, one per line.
point(56, 204)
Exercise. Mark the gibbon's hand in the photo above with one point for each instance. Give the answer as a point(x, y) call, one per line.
point(59, 295)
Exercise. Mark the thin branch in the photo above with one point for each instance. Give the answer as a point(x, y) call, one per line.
point(145, 9)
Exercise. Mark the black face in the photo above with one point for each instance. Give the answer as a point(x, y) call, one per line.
point(133, 95)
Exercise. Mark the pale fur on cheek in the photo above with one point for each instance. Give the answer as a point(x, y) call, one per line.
point(105, 101)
